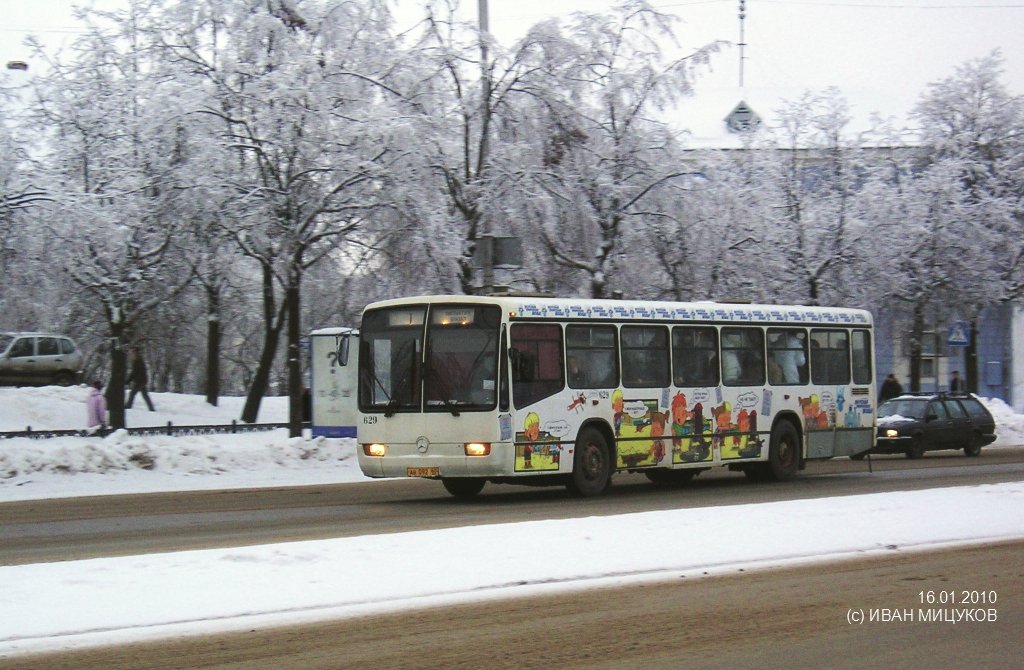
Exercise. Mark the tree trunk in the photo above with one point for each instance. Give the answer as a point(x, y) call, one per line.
point(971, 359)
point(115, 387)
point(213, 337)
point(916, 335)
point(295, 385)
point(273, 322)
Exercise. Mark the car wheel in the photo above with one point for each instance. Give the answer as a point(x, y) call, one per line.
point(464, 487)
point(591, 465)
point(916, 448)
point(63, 379)
point(974, 447)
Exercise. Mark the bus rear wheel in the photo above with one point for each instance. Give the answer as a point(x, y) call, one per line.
point(783, 456)
point(591, 465)
point(464, 487)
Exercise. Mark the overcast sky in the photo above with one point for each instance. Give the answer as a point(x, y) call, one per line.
point(880, 53)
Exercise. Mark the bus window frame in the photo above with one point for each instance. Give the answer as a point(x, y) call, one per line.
point(591, 376)
point(545, 387)
point(656, 371)
point(744, 363)
point(684, 356)
point(822, 371)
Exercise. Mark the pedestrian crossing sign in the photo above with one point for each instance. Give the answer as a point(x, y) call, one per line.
point(959, 334)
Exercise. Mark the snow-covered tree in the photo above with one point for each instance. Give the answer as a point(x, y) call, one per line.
point(291, 89)
point(970, 123)
point(607, 165)
point(112, 219)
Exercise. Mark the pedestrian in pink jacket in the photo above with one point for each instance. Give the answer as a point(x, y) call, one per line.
point(96, 407)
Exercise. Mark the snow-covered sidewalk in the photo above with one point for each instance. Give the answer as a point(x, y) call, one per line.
point(113, 600)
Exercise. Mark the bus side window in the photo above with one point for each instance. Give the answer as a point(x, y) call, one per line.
point(862, 367)
point(787, 356)
point(590, 356)
point(645, 357)
point(695, 356)
point(537, 362)
point(830, 357)
point(742, 356)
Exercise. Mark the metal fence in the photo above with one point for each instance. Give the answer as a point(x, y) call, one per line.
point(169, 429)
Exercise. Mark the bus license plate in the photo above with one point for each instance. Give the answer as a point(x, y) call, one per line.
point(422, 472)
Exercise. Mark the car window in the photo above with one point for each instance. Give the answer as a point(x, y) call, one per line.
point(938, 410)
point(48, 346)
point(23, 347)
point(910, 409)
point(67, 346)
point(955, 410)
point(5, 341)
point(976, 409)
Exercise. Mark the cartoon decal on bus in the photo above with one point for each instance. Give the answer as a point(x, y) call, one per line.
point(639, 431)
point(537, 450)
point(691, 431)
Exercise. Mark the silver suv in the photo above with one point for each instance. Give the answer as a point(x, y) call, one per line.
point(39, 358)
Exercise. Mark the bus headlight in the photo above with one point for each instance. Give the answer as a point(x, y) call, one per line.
point(892, 433)
point(375, 449)
point(478, 448)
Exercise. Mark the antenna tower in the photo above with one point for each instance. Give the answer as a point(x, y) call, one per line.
point(742, 43)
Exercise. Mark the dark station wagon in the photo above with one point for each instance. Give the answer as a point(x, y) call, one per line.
point(914, 423)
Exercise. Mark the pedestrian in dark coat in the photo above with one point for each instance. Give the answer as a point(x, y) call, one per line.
point(890, 388)
point(138, 378)
point(956, 384)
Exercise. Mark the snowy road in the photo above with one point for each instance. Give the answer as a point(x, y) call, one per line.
point(66, 529)
point(111, 600)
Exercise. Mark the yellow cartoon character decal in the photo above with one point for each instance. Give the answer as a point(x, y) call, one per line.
point(536, 450)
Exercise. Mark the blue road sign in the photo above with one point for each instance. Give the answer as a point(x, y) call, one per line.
point(959, 334)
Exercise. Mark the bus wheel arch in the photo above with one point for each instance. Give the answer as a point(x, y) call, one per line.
point(785, 450)
point(593, 461)
point(785, 453)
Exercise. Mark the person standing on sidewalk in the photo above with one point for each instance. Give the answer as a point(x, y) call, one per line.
point(138, 378)
point(96, 408)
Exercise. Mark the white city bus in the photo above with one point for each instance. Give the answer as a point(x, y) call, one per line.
point(471, 389)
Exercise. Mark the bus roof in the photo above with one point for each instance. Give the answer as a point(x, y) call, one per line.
point(528, 307)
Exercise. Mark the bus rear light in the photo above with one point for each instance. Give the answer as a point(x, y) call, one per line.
point(375, 449)
point(478, 448)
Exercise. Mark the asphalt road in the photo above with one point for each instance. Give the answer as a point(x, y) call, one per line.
point(803, 617)
point(76, 528)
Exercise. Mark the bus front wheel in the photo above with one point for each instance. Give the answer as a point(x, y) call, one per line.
point(591, 465)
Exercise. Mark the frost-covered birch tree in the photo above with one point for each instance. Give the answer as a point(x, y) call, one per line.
point(110, 148)
point(606, 162)
point(291, 89)
point(973, 125)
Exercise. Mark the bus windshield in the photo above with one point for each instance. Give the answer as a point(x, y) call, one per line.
point(458, 371)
